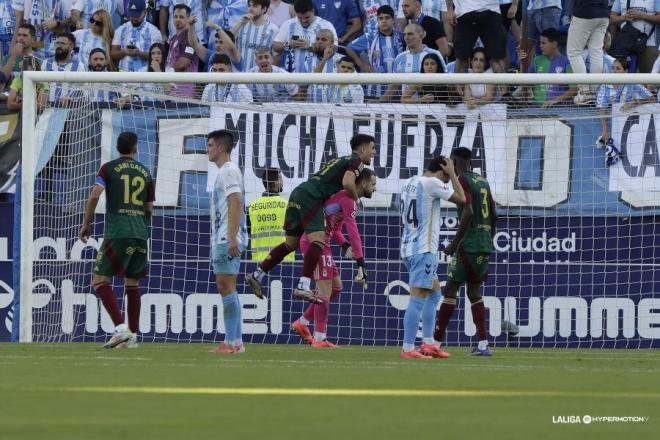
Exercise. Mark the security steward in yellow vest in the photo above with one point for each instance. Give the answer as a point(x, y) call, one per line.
point(266, 217)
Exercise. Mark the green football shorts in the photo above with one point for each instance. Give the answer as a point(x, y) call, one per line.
point(468, 267)
point(122, 257)
point(304, 213)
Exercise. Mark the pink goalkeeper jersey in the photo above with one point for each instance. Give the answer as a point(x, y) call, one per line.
point(340, 209)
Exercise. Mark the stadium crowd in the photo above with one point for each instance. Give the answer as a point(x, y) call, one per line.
point(323, 36)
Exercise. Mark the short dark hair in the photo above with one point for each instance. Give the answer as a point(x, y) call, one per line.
point(224, 138)
point(221, 58)
point(347, 59)
point(127, 142)
point(269, 176)
point(302, 6)
point(436, 164)
point(623, 62)
point(385, 9)
point(185, 7)
point(262, 3)
point(365, 174)
point(69, 36)
point(462, 153)
point(97, 50)
point(551, 34)
point(31, 29)
point(361, 139)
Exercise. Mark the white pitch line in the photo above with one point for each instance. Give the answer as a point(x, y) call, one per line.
point(347, 392)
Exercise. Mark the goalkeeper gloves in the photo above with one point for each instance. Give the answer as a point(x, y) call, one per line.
point(361, 275)
point(348, 250)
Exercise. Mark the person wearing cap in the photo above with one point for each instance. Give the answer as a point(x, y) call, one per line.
point(132, 40)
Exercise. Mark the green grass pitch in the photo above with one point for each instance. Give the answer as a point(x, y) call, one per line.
point(180, 391)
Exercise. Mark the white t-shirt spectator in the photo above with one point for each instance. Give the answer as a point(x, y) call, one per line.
point(647, 7)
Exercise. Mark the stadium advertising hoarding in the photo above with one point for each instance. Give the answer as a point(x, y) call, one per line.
point(571, 294)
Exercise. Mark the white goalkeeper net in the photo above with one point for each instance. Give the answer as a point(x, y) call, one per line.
point(575, 253)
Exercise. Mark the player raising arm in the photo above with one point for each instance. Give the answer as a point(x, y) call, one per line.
point(129, 191)
point(304, 214)
point(420, 203)
point(340, 209)
point(228, 235)
point(470, 250)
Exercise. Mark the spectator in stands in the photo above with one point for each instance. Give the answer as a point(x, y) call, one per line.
point(225, 13)
point(157, 62)
point(381, 49)
point(132, 40)
point(434, 33)
point(644, 15)
point(296, 36)
point(98, 35)
point(542, 15)
point(83, 10)
point(223, 44)
point(477, 19)
point(7, 27)
point(196, 8)
point(587, 28)
point(630, 95)
point(478, 94)
point(323, 59)
point(551, 60)
point(279, 12)
point(410, 61)
point(62, 94)
point(225, 92)
point(253, 31)
point(21, 48)
point(15, 99)
point(369, 10)
point(182, 56)
point(341, 13)
point(429, 93)
point(345, 93)
point(511, 12)
point(270, 92)
point(49, 17)
point(432, 8)
point(98, 62)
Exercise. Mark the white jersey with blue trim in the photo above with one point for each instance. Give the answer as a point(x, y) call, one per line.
point(294, 59)
point(88, 7)
point(432, 8)
point(411, 62)
point(229, 180)
point(142, 37)
point(251, 37)
point(86, 41)
point(197, 8)
point(420, 213)
point(273, 92)
point(226, 93)
point(59, 90)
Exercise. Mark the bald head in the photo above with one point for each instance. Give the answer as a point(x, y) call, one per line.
point(413, 35)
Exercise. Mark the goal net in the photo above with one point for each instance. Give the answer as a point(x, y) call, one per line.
point(575, 260)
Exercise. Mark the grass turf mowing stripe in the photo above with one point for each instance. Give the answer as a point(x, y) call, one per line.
point(352, 392)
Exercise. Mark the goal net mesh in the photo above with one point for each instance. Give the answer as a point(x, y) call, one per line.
point(575, 253)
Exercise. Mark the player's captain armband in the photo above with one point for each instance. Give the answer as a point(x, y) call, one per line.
point(189, 50)
point(359, 169)
point(100, 181)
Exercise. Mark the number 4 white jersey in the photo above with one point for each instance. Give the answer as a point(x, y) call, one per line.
point(420, 212)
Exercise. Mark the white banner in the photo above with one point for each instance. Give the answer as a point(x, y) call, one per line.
point(299, 142)
point(636, 134)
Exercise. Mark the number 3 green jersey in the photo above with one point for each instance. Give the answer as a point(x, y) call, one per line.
point(478, 238)
point(128, 188)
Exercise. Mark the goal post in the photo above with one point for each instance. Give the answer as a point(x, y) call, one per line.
point(575, 254)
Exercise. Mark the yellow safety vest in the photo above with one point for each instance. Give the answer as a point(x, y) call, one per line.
point(266, 220)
